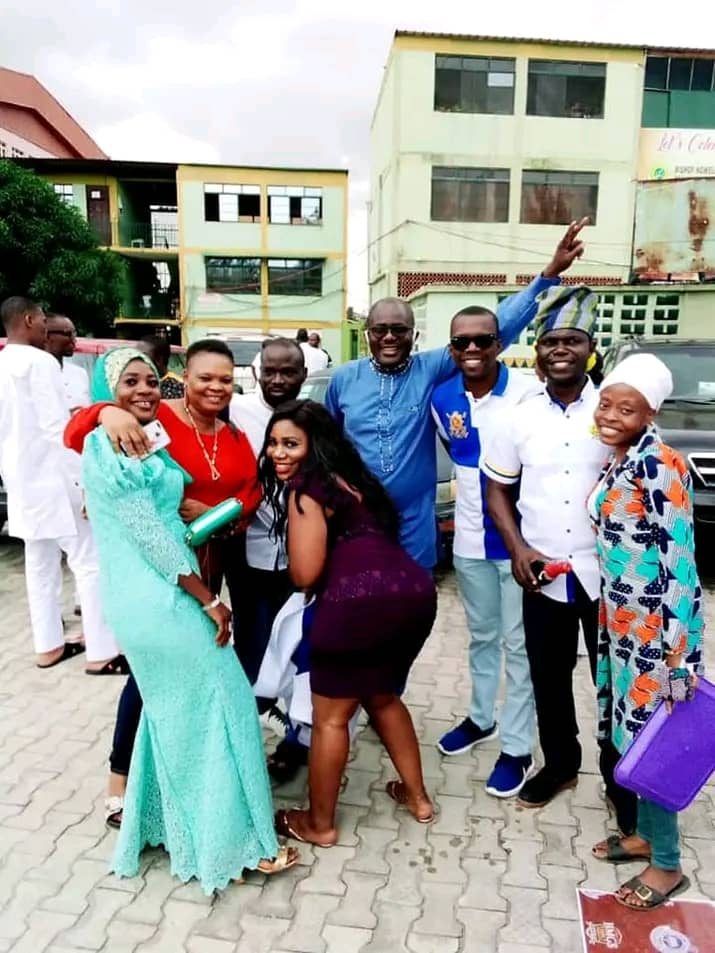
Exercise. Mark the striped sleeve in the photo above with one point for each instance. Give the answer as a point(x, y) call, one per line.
point(500, 460)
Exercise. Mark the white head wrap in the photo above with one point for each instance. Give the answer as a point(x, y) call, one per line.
point(645, 373)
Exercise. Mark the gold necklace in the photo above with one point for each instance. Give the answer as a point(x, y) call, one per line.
point(211, 460)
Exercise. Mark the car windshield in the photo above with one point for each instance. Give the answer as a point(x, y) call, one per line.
point(244, 352)
point(315, 388)
point(692, 367)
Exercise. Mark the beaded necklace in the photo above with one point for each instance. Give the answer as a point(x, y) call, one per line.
point(384, 413)
point(210, 459)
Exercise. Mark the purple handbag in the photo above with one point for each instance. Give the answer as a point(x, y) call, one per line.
point(673, 756)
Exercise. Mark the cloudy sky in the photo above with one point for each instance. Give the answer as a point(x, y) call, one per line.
point(286, 82)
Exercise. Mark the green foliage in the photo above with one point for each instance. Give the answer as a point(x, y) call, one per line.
point(50, 253)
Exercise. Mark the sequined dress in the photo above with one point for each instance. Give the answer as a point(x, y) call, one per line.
point(375, 605)
point(198, 782)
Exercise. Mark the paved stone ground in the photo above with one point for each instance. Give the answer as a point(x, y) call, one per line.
point(487, 877)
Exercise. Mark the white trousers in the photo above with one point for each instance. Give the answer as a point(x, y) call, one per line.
point(43, 577)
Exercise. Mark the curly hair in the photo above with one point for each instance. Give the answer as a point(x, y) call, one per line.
point(331, 456)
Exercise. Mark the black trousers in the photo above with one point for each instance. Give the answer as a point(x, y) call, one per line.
point(551, 629)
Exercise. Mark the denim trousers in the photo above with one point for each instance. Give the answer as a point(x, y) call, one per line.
point(493, 606)
point(660, 828)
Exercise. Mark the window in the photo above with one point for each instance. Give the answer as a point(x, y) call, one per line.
point(65, 192)
point(295, 276)
point(232, 203)
point(294, 205)
point(560, 88)
point(557, 198)
point(17, 153)
point(677, 72)
point(474, 84)
point(3, 149)
point(470, 195)
point(233, 275)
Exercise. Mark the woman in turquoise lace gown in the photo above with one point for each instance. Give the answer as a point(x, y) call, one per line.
point(198, 782)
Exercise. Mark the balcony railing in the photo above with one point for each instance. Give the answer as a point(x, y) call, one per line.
point(156, 235)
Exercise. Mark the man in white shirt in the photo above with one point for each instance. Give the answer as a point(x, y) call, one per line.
point(469, 409)
point(44, 499)
point(61, 343)
point(549, 444)
point(316, 359)
point(280, 377)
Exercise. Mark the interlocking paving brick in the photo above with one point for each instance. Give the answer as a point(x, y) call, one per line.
point(90, 931)
point(524, 919)
point(483, 879)
point(345, 939)
point(393, 925)
point(355, 909)
point(562, 883)
point(326, 873)
point(491, 876)
point(522, 864)
point(370, 854)
point(438, 911)
point(305, 930)
point(481, 929)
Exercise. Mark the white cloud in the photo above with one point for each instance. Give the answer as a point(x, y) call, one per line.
point(150, 138)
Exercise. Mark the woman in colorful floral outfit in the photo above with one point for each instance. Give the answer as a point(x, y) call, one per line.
point(651, 601)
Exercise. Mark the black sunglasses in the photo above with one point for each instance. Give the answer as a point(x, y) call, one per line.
point(396, 330)
point(460, 342)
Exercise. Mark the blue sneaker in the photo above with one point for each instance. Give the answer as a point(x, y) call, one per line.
point(509, 775)
point(464, 737)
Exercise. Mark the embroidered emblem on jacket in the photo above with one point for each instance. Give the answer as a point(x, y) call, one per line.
point(457, 427)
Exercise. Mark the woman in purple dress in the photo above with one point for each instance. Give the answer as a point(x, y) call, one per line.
point(374, 607)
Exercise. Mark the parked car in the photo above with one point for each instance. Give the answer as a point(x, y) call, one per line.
point(687, 418)
point(86, 353)
point(316, 385)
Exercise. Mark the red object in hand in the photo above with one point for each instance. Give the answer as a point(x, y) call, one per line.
point(552, 570)
point(547, 572)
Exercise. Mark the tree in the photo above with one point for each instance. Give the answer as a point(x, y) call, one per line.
point(49, 252)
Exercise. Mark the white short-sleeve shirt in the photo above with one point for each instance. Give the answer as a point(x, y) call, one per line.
point(555, 451)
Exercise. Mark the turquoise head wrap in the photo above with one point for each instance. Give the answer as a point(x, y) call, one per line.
point(110, 367)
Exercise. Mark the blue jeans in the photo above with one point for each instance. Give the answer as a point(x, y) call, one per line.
point(493, 605)
point(660, 828)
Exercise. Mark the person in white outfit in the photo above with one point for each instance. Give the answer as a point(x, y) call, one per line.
point(43, 494)
point(61, 343)
point(316, 359)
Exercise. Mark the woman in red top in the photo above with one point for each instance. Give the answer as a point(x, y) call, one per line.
point(221, 463)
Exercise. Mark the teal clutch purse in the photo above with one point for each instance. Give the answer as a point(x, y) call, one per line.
point(213, 520)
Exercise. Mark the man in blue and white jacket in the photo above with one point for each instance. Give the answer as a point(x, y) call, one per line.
point(468, 408)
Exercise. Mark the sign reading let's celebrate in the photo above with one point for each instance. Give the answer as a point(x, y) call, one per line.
point(676, 154)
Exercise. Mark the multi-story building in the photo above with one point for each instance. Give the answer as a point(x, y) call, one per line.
point(33, 123)
point(484, 149)
point(239, 252)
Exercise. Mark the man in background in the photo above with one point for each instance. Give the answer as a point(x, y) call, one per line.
point(315, 341)
point(43, 494)
point(281, 374)
point(61, 344)
point(315, 358)
point(158, 349)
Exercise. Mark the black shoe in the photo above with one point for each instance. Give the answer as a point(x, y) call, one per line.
point(543, 787)
point(287, 760)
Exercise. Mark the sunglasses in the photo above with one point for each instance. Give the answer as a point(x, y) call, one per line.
point(64, 334)
point(382, 330)
point(460, 342)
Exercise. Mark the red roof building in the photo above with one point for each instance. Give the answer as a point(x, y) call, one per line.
point(34, 123)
